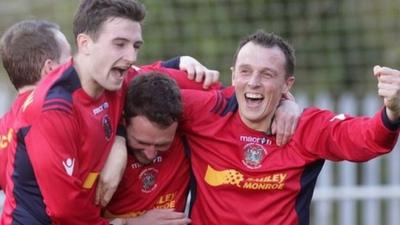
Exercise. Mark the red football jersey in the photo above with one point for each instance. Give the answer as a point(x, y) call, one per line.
point(7, 133)
point(63, 139)
point(243, 178)
point(160, 184)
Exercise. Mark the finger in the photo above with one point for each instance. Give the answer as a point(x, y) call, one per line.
point(280, 131)
point(293, 127)
point(173, 215)
point(386, 77)
point(190, 72)
point(387, 93)
point(183, 221)
point(377, 69)
point(107, 196)
point(98, 193)
point(208, 79)
point(287, 133)
point(199, 76)
point(215, 76)
point(212, 77)
point(273, 127)
point(387, 86)
point(387, 70)
point(284, 137)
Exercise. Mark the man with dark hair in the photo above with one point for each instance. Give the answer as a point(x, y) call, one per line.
point(241, 175)
point(29, 50)
point(155, 183)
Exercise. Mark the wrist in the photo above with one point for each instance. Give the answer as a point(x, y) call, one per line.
point(390, 119)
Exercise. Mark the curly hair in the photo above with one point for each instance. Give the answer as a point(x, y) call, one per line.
point(155, 96)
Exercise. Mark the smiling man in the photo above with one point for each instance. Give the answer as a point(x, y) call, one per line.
point(69, 122)
point(242, 177)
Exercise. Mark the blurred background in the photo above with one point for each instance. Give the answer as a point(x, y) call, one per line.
point(337, 44)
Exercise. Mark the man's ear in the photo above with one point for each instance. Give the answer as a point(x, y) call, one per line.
point(83, 43)
point(48, 66)
point(288, 84)
point(233, 75)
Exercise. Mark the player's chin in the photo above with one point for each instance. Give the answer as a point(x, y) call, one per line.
point(115, 86)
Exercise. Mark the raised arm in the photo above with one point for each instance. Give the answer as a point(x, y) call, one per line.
point(343, 137)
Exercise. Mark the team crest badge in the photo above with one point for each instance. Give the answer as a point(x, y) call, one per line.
point(253, 155)
point(106, 122)
point(148, 178)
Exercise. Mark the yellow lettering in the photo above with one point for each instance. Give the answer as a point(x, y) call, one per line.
point(166, 198)
point(282, 177)
point(168, 205)
point(275, 178)
point(263, 186)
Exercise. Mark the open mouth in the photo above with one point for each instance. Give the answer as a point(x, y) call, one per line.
point(121, 71)
point(253, 98)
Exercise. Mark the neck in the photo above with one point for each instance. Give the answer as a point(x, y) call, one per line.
point(25, 89)
point(89, 85)
point(262, 125)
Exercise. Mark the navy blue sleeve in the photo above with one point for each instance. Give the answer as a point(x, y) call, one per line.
point(172, 63)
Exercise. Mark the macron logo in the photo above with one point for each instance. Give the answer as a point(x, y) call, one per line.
point(338, 117)
point(69, 166)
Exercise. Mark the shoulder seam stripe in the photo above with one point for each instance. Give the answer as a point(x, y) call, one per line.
point(59, 103)
point(58, 109)
point(219, 104)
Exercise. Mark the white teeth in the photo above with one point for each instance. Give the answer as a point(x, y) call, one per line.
point(253, 95)
point(121, 71)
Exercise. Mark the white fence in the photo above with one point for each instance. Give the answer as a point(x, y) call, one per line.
point(356, 194)
point(350, 193)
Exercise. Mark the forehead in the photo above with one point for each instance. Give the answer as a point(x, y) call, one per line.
point(117, 27)
point(259, 56)
point(141, 128)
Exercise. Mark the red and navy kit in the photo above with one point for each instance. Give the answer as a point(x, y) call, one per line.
point(7, 133)
point(243, 177)
point(63, 140)
point(160, 184)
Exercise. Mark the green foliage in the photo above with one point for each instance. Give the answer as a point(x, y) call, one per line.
point(337, 42)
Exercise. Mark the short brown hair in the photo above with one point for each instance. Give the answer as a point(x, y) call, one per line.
point(155, 96)
point(91, 14)
point(269, 40)
point(24, 48)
